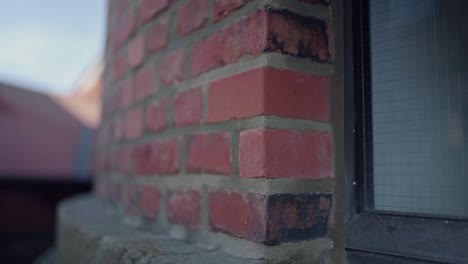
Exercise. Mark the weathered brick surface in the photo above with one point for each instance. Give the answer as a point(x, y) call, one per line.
point(173, 116)
point(159, 157)
point(120, 66)
point(297, 95)
point(118, 129)
point(183, 208)
point(269, 91)
point(263, 31)
point(298, 36)
point(294, 217)
point(275, 153)
point(124, 160)
point(237, 96)
point(172, 67)
point(125, 93)
point(123, 31)
point(246, 36)
point(117, 10)
point(145, 82)
point(150, 199)
point(192, 16)
point(189, 108)
point(157, 115)
point(223, 8)
point(210, 153)
point(151, 8)
point(136, 51)
point(158, 36)
point(133, 127)
point(242, 215)
point(270, 219)
point(129, 199)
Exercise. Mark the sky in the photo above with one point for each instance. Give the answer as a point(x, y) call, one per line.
point(46, 45)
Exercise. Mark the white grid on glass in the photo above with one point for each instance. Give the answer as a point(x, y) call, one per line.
point(419, 69)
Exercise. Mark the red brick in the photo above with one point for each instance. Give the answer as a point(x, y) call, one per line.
point(245, 36)
point(120, 66)
point(271, 153)
point(136, 51)
point(133, 127)
point(118, 129)
point(123, 31)
point(160, 157)
point(223, 8)
point(210, 153)
point(158, 36)
point(150, 199)
point(125, 160)
point(183, 208)
point(270, 219)
point(116, 9)
point(157, 115)
point(145, 82)
point(297, 95)
point(151, 8)
point(115, 159)
point(125, 93)
point(269, 91)
point(189, 108)
point(129, 199)
point(192, 16)
point(242, 215)
point(237, 96)
point(262, 32)
point(172, 67)
point(295, 217)
point(298, 36)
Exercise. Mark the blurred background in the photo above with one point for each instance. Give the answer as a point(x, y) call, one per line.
point(51, 60)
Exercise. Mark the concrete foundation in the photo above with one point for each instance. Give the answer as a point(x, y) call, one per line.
point(89, 232)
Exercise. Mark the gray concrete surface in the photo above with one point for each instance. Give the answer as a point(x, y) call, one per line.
point(89, 232)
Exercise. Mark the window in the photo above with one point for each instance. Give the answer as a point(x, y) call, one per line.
point(410, 135)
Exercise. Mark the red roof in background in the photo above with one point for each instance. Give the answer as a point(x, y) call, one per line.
point(48, 136)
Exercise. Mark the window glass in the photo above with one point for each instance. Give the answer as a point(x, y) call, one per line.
point(417, 110)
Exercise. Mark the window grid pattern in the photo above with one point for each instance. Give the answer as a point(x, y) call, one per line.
point(419, 107)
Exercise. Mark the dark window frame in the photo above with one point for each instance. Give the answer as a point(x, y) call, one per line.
point(414, 237)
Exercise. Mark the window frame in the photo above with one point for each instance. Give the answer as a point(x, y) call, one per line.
point(418, 238)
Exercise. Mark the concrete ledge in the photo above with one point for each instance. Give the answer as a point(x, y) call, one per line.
point(89, 231)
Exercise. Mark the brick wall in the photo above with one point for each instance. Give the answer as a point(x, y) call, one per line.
point(217, 120)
